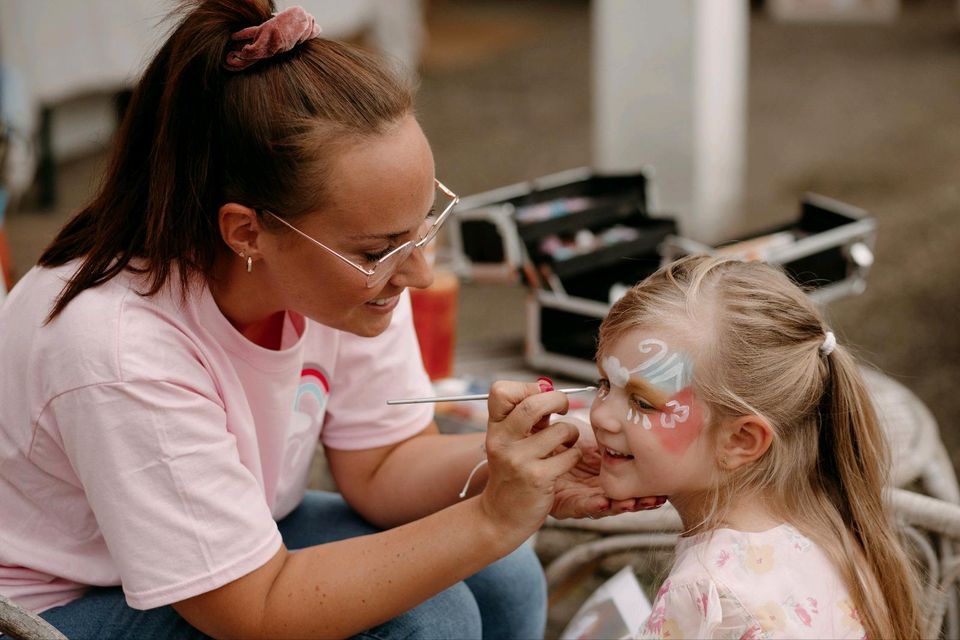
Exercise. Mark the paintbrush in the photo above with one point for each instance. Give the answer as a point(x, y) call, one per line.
point(475, 396)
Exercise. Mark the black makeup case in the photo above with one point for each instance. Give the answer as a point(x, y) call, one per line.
point(576, 240)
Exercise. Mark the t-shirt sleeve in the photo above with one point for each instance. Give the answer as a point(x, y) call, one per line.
point(177, 509)
point(370, 371)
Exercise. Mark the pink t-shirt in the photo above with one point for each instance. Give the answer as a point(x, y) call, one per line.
point(770, 584)
point(145, 443)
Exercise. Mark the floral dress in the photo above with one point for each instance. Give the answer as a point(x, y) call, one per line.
point(734, 584)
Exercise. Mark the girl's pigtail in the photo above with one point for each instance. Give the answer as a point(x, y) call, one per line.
point(853, 469)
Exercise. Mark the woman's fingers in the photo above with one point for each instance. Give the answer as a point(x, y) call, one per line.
point(526, 416)
point(543, 443)
point(617, 507)
point(505, 395)
point(558, 464)
point(526, 454)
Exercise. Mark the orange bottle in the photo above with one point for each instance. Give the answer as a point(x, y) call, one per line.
point(435, 320)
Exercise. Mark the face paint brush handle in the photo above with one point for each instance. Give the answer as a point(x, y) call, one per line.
point(476, 396)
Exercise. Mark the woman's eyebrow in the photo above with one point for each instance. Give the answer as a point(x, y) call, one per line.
point(388, 235)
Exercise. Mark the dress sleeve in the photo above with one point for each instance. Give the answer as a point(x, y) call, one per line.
point(685, 610)
point(370, 371)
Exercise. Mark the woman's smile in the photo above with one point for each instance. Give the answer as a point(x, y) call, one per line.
point(384, 305)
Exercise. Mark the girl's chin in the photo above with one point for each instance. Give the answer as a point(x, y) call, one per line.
point(617, 491)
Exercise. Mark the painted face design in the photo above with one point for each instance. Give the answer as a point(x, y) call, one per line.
point(648, 420)
point(660, 392)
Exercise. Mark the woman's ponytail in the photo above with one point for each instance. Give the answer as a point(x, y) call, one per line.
point(197, 135)
point(162, 181)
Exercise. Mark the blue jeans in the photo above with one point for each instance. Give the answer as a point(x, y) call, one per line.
point(505, 600)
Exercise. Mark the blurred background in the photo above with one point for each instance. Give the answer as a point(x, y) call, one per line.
point(738, 108)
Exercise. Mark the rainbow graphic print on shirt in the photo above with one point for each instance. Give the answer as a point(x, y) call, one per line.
point(312, 393)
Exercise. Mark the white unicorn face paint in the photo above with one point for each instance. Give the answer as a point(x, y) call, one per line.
point(669, 372)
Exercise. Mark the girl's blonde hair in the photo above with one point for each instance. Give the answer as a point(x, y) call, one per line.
point(758, 340)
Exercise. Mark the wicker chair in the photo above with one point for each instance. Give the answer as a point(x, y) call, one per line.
point(919, 456)
point(21, 624)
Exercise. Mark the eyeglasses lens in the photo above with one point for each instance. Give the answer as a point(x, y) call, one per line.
point(389, 265)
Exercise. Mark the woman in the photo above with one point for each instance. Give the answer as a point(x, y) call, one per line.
point(236, 291)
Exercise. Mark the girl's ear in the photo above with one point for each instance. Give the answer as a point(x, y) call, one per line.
point(744, 440)
point(239, 228)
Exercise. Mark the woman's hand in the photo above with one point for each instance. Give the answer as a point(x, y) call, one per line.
point(526, 455)
point(579, 493)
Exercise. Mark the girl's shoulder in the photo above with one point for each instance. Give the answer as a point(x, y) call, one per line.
point(743, 560)
point(754, 550)
point(774, 583)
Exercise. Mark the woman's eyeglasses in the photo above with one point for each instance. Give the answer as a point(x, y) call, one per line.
point(386, 266)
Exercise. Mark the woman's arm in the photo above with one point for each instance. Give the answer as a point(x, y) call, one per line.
point(341, 588)
point(423, 474)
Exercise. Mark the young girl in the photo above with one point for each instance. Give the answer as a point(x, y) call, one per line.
point(723, 389)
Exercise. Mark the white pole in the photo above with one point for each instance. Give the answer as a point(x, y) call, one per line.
point(669, 94)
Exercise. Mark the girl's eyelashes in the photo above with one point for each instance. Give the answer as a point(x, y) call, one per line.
point(641, 404)
point(603, 388)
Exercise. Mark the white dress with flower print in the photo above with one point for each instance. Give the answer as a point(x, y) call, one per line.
point(733, 584)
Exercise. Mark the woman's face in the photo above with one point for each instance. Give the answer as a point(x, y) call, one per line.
point(647, 419)
point(380, 191)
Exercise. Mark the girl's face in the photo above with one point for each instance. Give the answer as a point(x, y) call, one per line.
point(648, 421)
point(380, 192)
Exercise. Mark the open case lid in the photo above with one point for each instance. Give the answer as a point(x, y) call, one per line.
point(496, 235)
point(828, 249)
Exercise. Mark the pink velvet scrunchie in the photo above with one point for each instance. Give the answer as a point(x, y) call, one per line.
point(279, 34)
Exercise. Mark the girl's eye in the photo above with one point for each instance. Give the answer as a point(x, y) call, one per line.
point(603, 388)
point(641, 404)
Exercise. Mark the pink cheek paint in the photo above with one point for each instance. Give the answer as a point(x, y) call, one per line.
point(683, 406)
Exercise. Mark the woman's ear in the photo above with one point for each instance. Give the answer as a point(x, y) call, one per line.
point(239, 228)
point(744, 440)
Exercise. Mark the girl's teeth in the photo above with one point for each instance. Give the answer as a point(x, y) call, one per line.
point(617, 454)
point(381, 301)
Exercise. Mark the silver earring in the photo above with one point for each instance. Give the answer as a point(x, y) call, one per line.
point(249, 264)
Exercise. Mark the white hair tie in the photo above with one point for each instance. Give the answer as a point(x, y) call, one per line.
point(829, 344)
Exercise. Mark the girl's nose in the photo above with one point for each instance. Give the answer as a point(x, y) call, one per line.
point(603, 417)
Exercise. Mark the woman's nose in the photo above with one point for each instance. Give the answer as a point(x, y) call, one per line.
point(415, 271)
